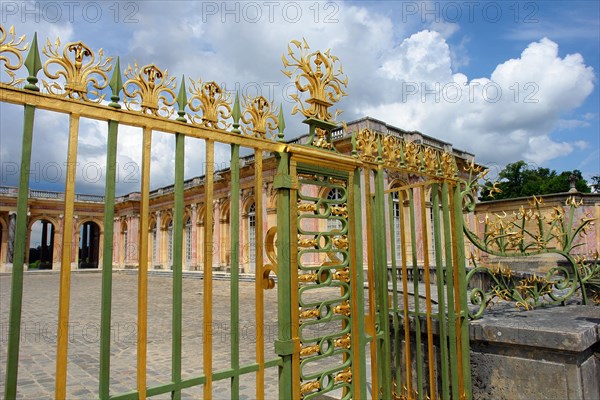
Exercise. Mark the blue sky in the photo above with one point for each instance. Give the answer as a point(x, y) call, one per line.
point(503, 80)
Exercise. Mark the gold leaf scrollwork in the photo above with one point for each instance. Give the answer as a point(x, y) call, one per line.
point(306, 242)
point(344, 342)
point(342, 309)
point(391, 148)
point(149, 90)
point(308, 314)
point(431, 160)
point(309, 387)
point(214, 103)
point(307, 206)
point(319, 74)
point(78, 66)
point(306, 351)
point(341, 210)
point(344, 376)
point(259, 117)
point(11, 53)
point(320, 139)
point(366, 145)
point(447, 165)
point(342, 275)
point(411, 155)
point(341, 242)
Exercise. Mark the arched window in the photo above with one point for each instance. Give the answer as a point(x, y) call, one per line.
point(252, 236)
point(188, 241)
point(334, 224)
point(170, 243)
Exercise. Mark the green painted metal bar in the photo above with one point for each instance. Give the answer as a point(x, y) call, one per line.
point(107, 255)
point(381, 279)
point(199, 380)
point(359, 276)
point(462, 290)
point(284, 345)
point(450, 291)
point(177, 263)
point(443, 335)
point(16, 294)
point(107, 250)
point(415, 268)
point(235, 269)
point(395, 307)
point(33, 65)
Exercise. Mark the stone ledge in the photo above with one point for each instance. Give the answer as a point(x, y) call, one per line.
point(572, 328)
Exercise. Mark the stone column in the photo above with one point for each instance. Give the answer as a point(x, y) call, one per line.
point(12, 222)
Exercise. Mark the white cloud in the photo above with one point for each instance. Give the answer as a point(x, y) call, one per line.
point(508, 116)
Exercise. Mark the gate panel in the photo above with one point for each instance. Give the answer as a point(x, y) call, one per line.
point(324, 285)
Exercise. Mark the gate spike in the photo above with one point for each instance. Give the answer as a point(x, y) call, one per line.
point(236, 113)
point(33, 64)
point(182, 101)
point(116, 84)
point(280, 124)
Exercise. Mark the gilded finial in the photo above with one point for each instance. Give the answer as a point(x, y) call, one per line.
point(236, 114)
point(280, 124)
point(181, 101)
point(33, 64)
point(116, 84)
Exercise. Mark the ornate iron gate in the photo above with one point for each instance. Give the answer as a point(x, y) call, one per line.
point(325, 324)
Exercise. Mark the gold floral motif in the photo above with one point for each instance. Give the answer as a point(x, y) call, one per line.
point(307, 206)
point(340, 210)
point(309, 387)
point(325, 81)
point(340, 182)
point(307, 278)
point(150, 89)
point(341, 242)
point(309, 350)
point(12, 49)
point(307, 314)
point(215, 104)
point(342, 309)
point(411, 155)
point(391, 150)
point(448, 165)
point(260, 117)
point(344, 342)
point(366, 145)
point(306, 242)
point(342, 275)
point(344, 376)
point(431, 160)
point(79, 71)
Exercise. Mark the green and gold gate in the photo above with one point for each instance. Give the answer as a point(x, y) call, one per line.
point(335, 222)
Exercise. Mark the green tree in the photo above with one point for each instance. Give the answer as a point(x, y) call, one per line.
point(596, 183)
point(519, 180)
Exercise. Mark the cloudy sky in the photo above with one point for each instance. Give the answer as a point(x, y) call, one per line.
point(503, 80)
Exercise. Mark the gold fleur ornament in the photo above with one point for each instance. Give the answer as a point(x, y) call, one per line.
point(149, 90)
point(79, 68)
point(319, 74)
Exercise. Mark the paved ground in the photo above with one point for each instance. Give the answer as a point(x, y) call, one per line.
point(38, 349)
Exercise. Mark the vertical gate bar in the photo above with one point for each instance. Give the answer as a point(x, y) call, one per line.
point(142, 335)
point(208, 261)
point(16, 293)
point(235, 269)
point(462, 290)
point(409, 390)
point(258, 289)
point(293, 277)
point(456, 267)
point(107, 255)
point(370, 329)
point(417, 312)
point(441, 296)
point(448, 244)
point(177, 265)
point(425, 239)
point(396, 322)
point(288, 388)
point(65, 269)
point(383, 286)
point(358, 334)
